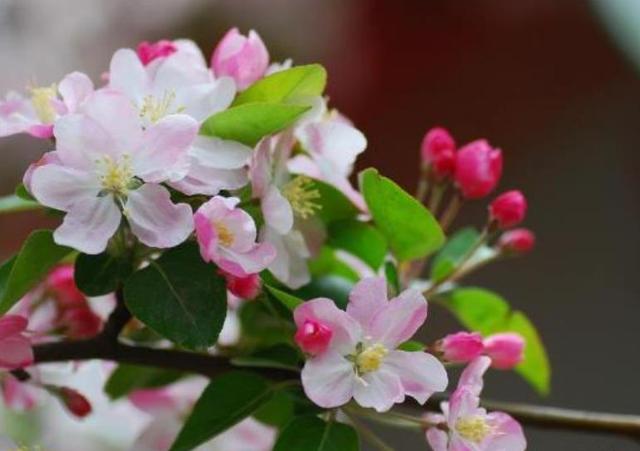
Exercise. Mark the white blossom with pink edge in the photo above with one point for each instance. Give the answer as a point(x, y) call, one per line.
point(332, 144)
point(37, 113)
point(227, 237)
point(361, 359)
point(108, 165)
point(470, 427)
point(181, 82)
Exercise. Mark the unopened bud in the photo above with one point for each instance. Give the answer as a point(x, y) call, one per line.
point(439, 152)
point(478, 169)
point(508, 209)
point(80, 322)
point(506, 350)
point(149, 51)
point(461, 347)
point(62, 286)
point(243, 58)
point(75, 402)
point(313, 337)
point(518, 241)
point(246, 287)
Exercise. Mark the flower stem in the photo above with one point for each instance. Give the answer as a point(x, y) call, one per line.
point(368, 434)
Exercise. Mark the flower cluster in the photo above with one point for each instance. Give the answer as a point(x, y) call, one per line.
point(207, 204)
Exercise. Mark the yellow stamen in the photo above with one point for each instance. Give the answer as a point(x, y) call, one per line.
point(41, 101)
point(473, 428)
point(225, 236)
point(116, 176)
point(302, 196)
point(371, 358)
point(155, 109)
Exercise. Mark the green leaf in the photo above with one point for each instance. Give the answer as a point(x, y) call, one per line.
point(250, 122)
point(180, 297)
point(22, 193)
point(326, 263)
point(452, 253)
point(296, 85)
point(227, 400)
point(411, 231)
point(278, 411)
point(39, 253)
point(332, 287)
point(101, 274)
point(310, 433)
point(412, 346)
point(360, 239)
point(14, 203)
point(393, 280)
point(127, 378)
point(278, 356)
point(288, 300)
point(334, 205)
point(488, 313)
point(263, 327)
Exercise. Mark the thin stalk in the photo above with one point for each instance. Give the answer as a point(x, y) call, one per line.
point(368, 434)
point(451, 211)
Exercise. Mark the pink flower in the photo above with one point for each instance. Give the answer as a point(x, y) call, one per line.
point(508, 209)
point(15, 348)
point(517, 241)
point(227, 236)
point(61, 284)
point(506, 350)
point(37, 114)
point(461, 346)
point(470, 427)
point(332, 144)
point(182, 82)
point(439, 152)
point(150, 51)
point(109, 165)
point(313, 337)
point(361, 360)
point(478, 169)
point(246, 287)
point(244, 58)
point(18, 396)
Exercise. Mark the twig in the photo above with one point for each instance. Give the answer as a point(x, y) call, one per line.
point(451, 211)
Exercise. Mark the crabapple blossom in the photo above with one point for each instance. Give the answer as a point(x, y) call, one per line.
point(150, 51)
point(243, 58)
point(109, 166)
point(37, 113)
point(15, 347)
point(461, 346)
point(439, 152)
point(245, 287)
point(478, 169)
point(506, 349)
point(361, 360)
point(469, 426)
point(227, 237)
point(313, 337)
point(18, 396)
point(508, 209)
point(517, 241)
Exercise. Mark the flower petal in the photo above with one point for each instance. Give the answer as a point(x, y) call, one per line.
point(437, 439)
point(127, 74)
point(210, 181)
point(328, 379)
point(379, 389)
point(277, 211)
point(202, 100)
point(74, 89)
point(463, 403)
point(155, 219)
point(61, 187)
point(421, 374)
point(15, 352)
point(89, 225)
point(346, 331)
point(12, 325)
point(507, 434)
point(80, 141)
point(220, 153)
point(399, 319)
point(241, 264)
point(366, 298)
point(290, 265)
point(471, 377)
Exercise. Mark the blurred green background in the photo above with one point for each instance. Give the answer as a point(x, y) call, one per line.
point(553, 83)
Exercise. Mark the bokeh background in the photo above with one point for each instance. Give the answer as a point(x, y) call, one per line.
point(554, 83)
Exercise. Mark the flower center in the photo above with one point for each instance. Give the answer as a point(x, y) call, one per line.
point(153, 108)
point(41, 101)
point(302, 196)
point(116, 176)
point(225, 236)
point(370, 358)
point(474, 428)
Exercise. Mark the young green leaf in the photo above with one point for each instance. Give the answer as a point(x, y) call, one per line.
point(39, 253)
point(360, 239)
point(310, 433)
point(326, 263)
point(14, 203)
point(180, 297)
point(411, 231)
point(22, 193)
point(288, 300)
point(330, 286)
point(488, 313)
point(127, 378)
point(278, 411)
point(296, 85)
point(227, 400)
point(334, 206)
point(250, 122)
point(100, 274)
point(456, 249)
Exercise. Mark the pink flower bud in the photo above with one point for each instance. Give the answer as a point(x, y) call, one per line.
point(243, 58)
point(80, 322)
point(62, 287)
point(508, 209)
point(439, 152)
point(73, 400)
point(478, 169)
point(246, 287)
point(506, 350)
point(517, 241)
point(313, 337)
point(462, 346)
point(149, 51)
